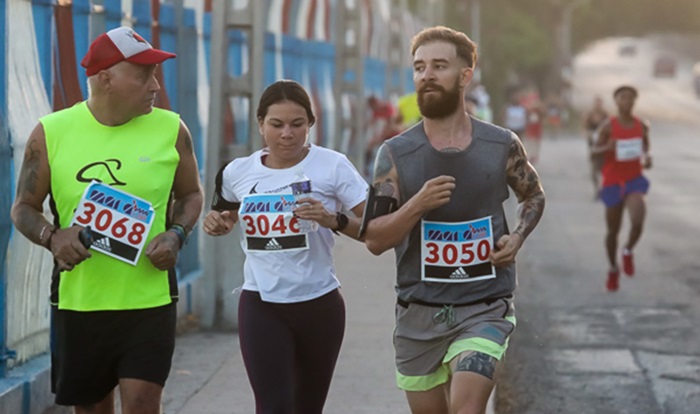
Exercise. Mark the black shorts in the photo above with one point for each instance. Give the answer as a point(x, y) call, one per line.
point(91, 351)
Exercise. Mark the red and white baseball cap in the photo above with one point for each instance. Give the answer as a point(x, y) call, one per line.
point(118, 45)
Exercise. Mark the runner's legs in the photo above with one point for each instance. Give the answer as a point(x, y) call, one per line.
point(433, 401)
point(636, 207)
point(613, 220)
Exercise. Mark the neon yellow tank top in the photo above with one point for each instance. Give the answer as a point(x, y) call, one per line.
point(139, 158)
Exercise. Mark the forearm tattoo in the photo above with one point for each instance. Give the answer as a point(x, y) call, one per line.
point(523, 179)
point(30, 169)
point(478, 363)
point(530, 214)
point(178, 211)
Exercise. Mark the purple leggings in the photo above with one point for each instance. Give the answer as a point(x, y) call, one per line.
point(290, 350)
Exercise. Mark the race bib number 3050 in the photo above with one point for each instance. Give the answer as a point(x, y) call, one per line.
point(120, 222)
point(269, 225)
point(456, 252)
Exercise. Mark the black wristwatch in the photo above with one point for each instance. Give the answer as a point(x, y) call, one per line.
point(342, 220)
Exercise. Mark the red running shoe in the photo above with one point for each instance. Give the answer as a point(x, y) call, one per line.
point(613, 282)
point(628, 263)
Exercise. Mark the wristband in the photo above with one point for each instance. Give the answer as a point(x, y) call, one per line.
point(47, 243)
point(181, 233)
point(41, 233)
point(342, 220)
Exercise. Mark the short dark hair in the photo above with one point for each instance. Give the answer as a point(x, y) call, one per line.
point(623, 88)
point(466, 48)
point(285, 90)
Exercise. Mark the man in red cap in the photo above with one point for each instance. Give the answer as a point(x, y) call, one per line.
point(125, 194)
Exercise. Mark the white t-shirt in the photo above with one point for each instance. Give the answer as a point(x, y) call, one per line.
point(280, 273)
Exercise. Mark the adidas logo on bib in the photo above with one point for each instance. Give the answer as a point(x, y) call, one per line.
point(103, 244)
point(273, 245)
point(459, 274)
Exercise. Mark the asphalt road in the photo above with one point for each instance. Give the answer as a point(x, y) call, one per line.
point(579, 349)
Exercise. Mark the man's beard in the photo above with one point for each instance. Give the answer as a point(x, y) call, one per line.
point(438, 107)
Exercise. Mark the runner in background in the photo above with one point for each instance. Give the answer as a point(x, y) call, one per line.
point(384, 123)
point(408, 110)
point(592, 120)
point(624, 143)
point(532, 139)
point(555, 115)
point(515, 115)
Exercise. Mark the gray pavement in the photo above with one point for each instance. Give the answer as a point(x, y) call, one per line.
point(579, 349)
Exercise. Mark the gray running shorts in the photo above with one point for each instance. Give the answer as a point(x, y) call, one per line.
point(427, 338)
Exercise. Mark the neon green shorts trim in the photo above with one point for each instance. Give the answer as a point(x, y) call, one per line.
point(424, 347)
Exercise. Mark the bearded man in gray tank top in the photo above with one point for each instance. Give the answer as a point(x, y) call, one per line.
point(437, 199)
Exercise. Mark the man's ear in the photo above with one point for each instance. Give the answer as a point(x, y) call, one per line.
point(104, 79)
point(466, 76)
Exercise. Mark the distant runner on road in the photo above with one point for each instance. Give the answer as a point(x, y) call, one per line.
point(624, 142)
point(592, 121)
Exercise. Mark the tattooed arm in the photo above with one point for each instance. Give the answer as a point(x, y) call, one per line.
point(386, 232)
point(27, 211)
point(523, 180)
point(32, 188)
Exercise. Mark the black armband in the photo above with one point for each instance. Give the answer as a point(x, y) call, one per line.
point(218, 203)
point(376, 206)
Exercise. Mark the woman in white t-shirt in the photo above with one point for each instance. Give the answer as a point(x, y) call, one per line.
point(288, 199)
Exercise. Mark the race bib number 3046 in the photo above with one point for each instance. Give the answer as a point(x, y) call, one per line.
point(269, 225)
point(120, 222)
point(456, 252)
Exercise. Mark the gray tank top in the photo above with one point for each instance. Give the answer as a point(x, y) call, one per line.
point(481, 189)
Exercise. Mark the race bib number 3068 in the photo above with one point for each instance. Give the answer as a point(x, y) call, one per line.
point(456, 252)
point(119, 222)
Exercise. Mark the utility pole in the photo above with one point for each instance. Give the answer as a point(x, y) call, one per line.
point(223, 267)
point(476, 21)
point(182, 78)
point(475, 32)
point(396, 62)
point(96, 20)
point(436, 13)
point(349, 82)
point(563, 34)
